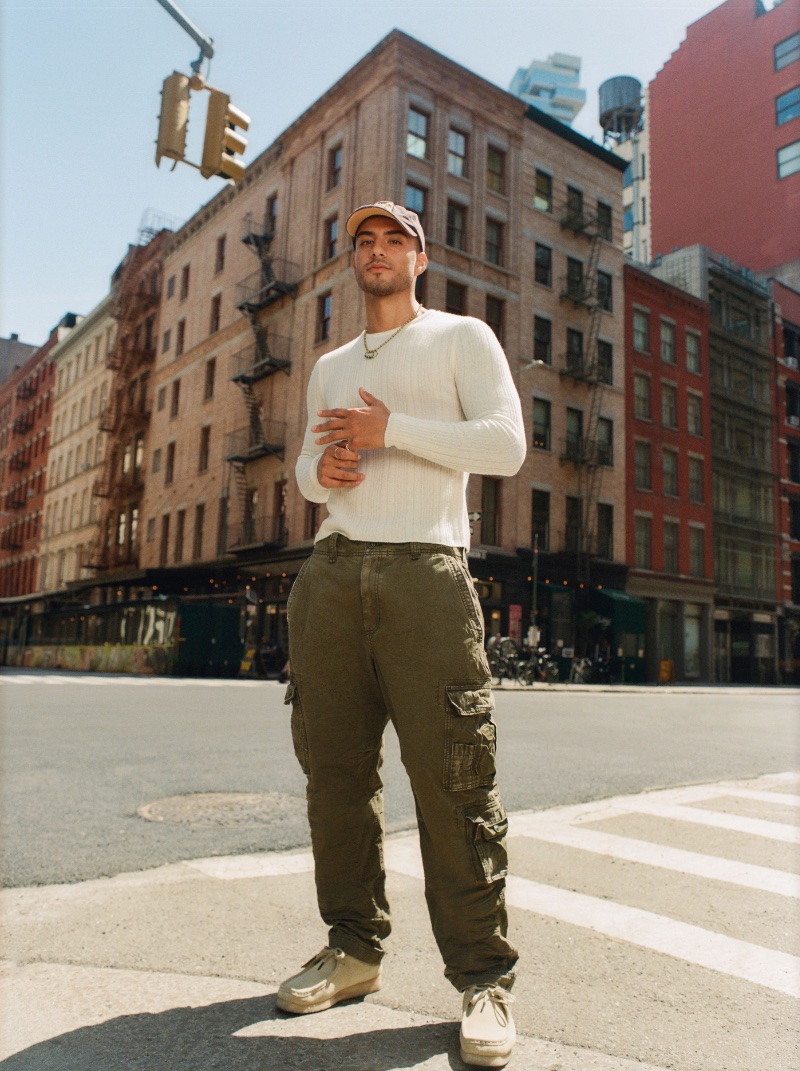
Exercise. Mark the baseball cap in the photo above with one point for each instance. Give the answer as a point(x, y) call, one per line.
point(407, 219)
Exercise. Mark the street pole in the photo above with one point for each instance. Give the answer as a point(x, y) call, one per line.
point(534, 592)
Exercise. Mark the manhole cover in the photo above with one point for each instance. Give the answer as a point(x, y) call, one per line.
point(224, 809)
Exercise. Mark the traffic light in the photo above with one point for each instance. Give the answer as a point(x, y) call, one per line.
point(174, 118)
point(222, 141)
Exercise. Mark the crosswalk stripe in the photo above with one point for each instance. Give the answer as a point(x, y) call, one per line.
point(757, 827)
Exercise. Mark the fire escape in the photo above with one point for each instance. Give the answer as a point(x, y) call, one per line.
point(268, 354)
point(582, 363)
point(125, 418)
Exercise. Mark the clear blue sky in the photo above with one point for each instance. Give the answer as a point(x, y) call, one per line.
point(80, 99)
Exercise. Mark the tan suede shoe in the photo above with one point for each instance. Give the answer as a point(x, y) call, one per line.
point(487, 1028)
point(326, 979)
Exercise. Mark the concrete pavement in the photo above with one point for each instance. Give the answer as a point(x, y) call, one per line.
point(658, 931)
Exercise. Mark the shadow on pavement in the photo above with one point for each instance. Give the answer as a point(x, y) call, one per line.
point(201, 1039)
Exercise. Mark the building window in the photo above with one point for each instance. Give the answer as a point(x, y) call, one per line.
point(456, 152)
point(574, 443)
point(494, 241)
point(540, 519)
point(272, 213)
point(494, 315)
point(151, 529)
point(794, 518)
point(787, 106)
point(490, 511)
point(668, 342)
point(604, 220)
point(331, 238)
point(222, 525)
point(787, 51)
point(643, 528)
point(334, 167)
point(495, 169)
point(184, 282)
point(605, 441)
point(171, 286)
point(697, 564)
point(543, 196)
point(324, 306)
point(542, 340)
point(669, 472)
point(169, 464)
point(157, 459)
point(161, 398)
point(695, 479)
point(669, 405)
point(455, 298)
point(605, 291)
point(694, 414)
point(175, 399)
point(605, 530)
point(575, 291)
point(574, 350)
point(692, 352)
point(417, 135)
point(543, 267)
point(216, 307)
point(180, 338)
point(163, 550)
point(311, 520)
point(641, 455)
point(219, 258)
point(415, 200)
point(456, 225)
point(199, 524)
point(180, 530)
point(574, 526)
point(205, 443)
point(789, 160)
point(605, 361)
point(541, 424)
point(165, 341)
point(574, 216)
point(641, 331)
point(671, 531)
point(210, 376)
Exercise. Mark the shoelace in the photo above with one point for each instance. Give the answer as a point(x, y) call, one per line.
point(495, 994)
point(324, 956)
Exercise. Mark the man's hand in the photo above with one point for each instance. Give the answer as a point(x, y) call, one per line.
point(336, 468)
point(362, 429)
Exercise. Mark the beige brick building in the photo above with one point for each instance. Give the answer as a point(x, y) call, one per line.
point(77, 447)
point(523, 219)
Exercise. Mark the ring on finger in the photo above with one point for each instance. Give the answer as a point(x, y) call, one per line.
point(336, 453)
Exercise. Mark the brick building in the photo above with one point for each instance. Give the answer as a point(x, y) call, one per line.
point(669, 522)
point(523, 223)
point(77, 447)
point(26, 399)
point(724, 127)
point(786, 326)
point(742, 369)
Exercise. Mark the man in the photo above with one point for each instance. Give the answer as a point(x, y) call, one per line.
point(384, 624)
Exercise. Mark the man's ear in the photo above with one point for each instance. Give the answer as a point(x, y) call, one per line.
point(422, 263)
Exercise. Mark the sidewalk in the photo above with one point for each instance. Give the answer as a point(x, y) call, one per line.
point(175, 969)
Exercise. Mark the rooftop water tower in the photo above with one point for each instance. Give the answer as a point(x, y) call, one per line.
point(620, 108)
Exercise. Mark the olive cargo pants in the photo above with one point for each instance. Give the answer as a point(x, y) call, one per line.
point(381, 631)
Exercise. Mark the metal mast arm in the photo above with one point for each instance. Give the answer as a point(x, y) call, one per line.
point(206, 43)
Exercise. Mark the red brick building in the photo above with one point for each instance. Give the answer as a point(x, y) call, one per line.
point(786, 328)
point(724, 123)
point(669, 546)
point(26, 399)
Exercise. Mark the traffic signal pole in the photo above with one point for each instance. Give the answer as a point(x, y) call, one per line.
point(206, 43)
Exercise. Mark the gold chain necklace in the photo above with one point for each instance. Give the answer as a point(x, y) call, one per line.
point(369, 354)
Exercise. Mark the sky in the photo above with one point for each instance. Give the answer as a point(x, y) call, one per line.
point(80, 84)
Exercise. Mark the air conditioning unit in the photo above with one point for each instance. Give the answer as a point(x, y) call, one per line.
point(794, 421)
point(792, 362)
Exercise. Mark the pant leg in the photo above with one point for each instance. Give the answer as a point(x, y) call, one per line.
point(338, 719)
point(428, 647)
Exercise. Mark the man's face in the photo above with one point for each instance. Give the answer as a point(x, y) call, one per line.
point(386, 260)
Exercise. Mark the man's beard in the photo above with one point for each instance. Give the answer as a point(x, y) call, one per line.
point(384, 286)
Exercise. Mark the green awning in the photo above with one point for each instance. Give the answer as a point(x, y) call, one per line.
point(627, 612)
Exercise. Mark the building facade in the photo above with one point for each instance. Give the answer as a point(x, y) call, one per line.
point(552, 85)
point(13, 354)
point(77, 448)
point(731, 94)
point(669, 522)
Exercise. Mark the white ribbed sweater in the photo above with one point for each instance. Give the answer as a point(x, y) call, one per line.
point(454, 410)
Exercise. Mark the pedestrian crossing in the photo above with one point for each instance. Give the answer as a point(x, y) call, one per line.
point(624, 877)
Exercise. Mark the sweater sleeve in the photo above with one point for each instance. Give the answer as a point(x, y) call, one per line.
point(490, 440)
point(306, 467)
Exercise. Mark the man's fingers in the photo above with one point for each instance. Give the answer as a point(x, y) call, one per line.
point(370, 399)
point(333, 413)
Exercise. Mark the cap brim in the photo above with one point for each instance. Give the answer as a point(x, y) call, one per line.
point(357, 218)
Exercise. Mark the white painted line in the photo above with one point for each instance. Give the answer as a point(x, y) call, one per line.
point(765, 797)
point(236, 867)
point(756, 827)
point(584, 838)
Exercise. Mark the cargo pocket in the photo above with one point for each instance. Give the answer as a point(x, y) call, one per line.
point(487, 826)
point(299, 737)
point(470, 738)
